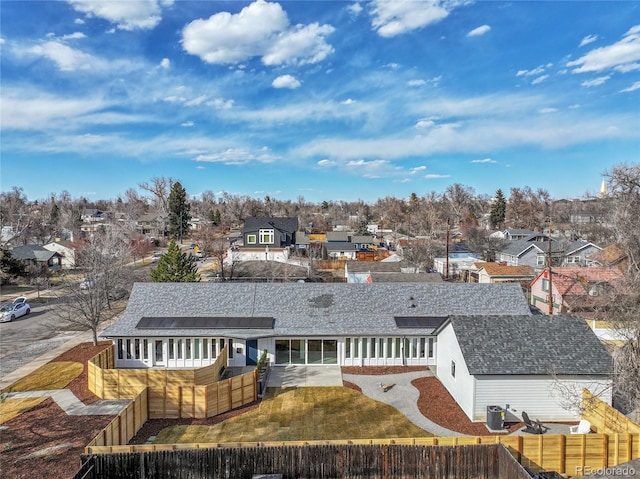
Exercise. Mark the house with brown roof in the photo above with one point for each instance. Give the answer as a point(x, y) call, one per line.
point(610, 257)
point(491, 272)
point(573, 289)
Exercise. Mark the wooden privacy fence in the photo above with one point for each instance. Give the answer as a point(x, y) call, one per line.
point(604, 418)
point(312, 462)
point(173, 393)
point(565, 454)
point(125, 425)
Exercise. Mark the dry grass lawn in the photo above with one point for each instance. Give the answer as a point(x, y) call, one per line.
point(54, 375)
point(303, 414)
point(10, 408)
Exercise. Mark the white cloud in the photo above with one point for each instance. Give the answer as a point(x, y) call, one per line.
point(79, 21)
point(304, 44)
point(395, 18)
point(64, 56)
point(535, 71)
point(634, 87)
point(426, 123)
point(596, 81)
point(259, 30)
point(196, 101)
point(326, 163)
point(286, 81)
point(373, 168)
point(221, 104)
point(627, 67)
point(547, 110)
point(540, 79)
point(165, 63)
point(236, 156)
point(355, 8)
point(486, 160)
point(617, 55)
point(433, 176)
point(348, 101)
point(74, 36)
point(416, 82)
point(417, 170)
point(187, 124)
point(127, 15)
point(588, 39)
point(476, 32)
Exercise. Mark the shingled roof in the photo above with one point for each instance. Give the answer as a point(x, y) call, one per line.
point(530, 345)
point(312, 309)
point(498, 269)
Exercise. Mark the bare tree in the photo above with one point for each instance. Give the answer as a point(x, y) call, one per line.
point(624, 308)
point(159, 188)
point(103, 260)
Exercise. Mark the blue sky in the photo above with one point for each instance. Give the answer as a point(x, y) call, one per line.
point(329, 100)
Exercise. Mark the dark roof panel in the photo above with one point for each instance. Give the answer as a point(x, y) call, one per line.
point(196, 322)
point(420, 322)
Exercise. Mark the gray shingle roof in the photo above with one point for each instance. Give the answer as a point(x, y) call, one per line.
point(287, 224)
point(530, 344)
point(313, 309)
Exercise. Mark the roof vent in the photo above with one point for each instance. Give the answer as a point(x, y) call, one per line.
point(411, 298)
point(412, 305)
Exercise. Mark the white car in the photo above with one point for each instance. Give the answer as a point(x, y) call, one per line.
point(18, 308)
point(87, 283)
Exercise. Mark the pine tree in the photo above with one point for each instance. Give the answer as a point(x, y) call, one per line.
point(176, 266)
point(498, 210)
point(179, 211)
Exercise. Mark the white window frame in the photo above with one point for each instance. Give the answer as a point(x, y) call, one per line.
point(267, 236)
point(252, 239)
point(545, 285)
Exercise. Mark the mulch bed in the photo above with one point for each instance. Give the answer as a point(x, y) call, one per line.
point(45, 441)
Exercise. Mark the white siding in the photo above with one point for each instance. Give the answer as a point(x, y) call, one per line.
point(462, 386)
point(541, 397)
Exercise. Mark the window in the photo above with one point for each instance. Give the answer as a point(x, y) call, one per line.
point(356, 349)
point(389, 347)
point(347, 348)
point(431, 344)
point(120, 349)
point(187, 349)
point(540, 260)
point(414, 347)
point(179, 347)
point(145, 349)
point(545, 285)
point(128, 349)
point(266, 236)
point(159, 355)
point(381, 348)
point(453, 369)
point(573, 259)
point(136, 348)
point(196, 349)
point(172, 353)
point(423, 343)
point(205, 349)
point(373, 348)
point(398, 351)
point(214, 352)
point(251, 239)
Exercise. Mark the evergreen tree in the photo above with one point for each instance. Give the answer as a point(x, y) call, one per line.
point(498, 210)
point(179, 211)
point(176, 266)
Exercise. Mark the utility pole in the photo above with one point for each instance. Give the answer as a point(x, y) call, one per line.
point(446, 260)
point(549, 269)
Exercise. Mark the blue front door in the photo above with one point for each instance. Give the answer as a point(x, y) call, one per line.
point(252, 352)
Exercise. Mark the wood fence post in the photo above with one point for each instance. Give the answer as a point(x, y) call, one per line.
point(563, 454)
point(605, 451)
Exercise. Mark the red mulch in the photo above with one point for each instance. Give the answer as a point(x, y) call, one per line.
point(24, 444)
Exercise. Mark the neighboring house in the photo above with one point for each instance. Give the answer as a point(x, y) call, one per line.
point(92, 216)
point(153, 225)
point(339, 250)
point(338, 236)
point(610, 257)
point(577, 253)
point(573, 289)
point(178, 325)
point(532, 363)
point(458, 266)
point(500, 273)
point(511, 234)
point(529, 253)
point(36, 255)
point(363, 242)
point(66, 251)
point(384, 272)
point(261, 232)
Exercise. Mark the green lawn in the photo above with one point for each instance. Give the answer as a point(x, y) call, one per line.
point(303, 414)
